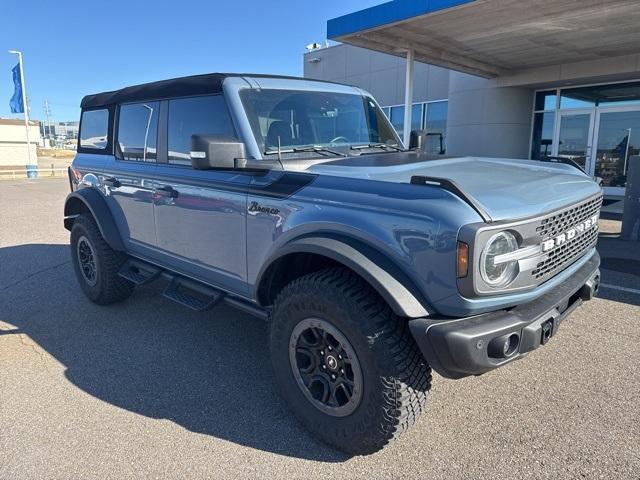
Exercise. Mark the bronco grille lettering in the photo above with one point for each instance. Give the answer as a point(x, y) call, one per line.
point(570, 234)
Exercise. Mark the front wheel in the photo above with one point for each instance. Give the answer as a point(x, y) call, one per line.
point(345, 363)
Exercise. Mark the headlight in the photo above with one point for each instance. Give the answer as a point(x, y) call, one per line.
point(503, 273)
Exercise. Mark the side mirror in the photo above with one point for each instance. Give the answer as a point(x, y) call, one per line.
point(418, 140)
point(215, 151)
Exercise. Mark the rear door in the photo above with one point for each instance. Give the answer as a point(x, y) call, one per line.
point(128, 175)
point(200, 215)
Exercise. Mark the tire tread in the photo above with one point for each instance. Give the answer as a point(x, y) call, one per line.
point(406, 381)
point(113, 287)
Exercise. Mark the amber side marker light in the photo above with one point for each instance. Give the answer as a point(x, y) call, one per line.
point(463, 259)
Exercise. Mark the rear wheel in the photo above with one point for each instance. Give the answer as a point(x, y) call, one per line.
point(345, 363)
point(96, 264)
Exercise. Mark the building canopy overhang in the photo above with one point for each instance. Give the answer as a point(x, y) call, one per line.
point(495, 38)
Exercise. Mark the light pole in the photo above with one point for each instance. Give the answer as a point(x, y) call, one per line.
point(47, 113)
point(25, 106)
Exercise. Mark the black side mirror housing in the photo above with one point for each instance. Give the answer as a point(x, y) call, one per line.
point(418, 140)
point(216, 151)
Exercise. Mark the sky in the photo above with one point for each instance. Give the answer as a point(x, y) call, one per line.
point(74, 48)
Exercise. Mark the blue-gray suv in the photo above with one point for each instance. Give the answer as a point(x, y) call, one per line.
point(295, 200)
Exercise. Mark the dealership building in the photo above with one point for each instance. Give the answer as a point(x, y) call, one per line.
point(501, 78)
point(15, 151)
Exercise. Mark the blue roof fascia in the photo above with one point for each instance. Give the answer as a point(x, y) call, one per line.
point(385, 13)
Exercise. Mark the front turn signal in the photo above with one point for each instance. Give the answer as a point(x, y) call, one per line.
point(463, 259)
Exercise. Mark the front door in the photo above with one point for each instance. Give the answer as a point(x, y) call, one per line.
point(573, 138)
point(201, 215)
point(600, 140)
point(617, 138)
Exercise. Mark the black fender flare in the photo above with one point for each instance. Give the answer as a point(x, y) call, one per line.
point(93, 201)
point(372, 266)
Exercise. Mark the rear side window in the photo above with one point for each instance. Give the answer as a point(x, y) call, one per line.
point(196, 115)
point(94, 130)
point(138, 131)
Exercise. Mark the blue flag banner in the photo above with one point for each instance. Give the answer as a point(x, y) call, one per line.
point(17, 106)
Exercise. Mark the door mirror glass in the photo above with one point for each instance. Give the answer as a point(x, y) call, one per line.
point(216, 151)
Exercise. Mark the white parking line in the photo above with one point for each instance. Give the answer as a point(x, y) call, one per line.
point(622, 289)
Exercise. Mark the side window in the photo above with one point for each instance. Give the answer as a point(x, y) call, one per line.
point(195, 115)
point(95, 125)
point(138, 131)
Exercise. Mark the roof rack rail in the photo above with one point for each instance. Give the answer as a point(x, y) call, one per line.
point(454, 188)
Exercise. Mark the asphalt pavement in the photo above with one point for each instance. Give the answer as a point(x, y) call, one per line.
point(148, 389)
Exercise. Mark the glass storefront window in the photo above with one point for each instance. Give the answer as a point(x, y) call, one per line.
point(574, 134)
point(545, 101)
point(436, 116)
point(436, 122)
point(618, 141)
point(542, 143)
point(597, 126)
point(601, 96)
point(397, 117)
point(430, 116)
point(569, 100)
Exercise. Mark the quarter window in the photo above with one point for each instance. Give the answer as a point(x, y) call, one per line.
point(196, 115)
point(138, 131)
point(95, 125)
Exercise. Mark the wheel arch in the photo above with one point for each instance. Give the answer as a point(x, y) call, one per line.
point(89, 200)
point(311, 253)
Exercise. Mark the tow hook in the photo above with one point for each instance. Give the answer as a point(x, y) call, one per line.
point(547, 331)
point(590, 289)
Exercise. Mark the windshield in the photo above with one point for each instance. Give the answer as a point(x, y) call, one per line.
point(293, 119)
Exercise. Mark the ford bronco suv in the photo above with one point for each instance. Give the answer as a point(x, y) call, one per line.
point(295, 200)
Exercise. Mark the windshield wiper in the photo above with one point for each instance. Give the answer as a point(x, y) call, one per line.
point(311, 148)
point(377, 145)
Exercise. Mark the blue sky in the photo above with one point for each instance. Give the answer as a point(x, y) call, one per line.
point(73, 48)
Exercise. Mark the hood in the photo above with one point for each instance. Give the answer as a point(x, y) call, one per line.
point(507, 189)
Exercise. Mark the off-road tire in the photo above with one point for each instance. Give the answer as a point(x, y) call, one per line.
point(109, 287)
point(396, 378)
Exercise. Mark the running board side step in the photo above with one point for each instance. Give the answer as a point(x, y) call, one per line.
point(138, 272)
point(185, 291)
point(192, 294)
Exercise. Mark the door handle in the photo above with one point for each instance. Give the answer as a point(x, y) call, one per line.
point(166, 191)
point(112, 182)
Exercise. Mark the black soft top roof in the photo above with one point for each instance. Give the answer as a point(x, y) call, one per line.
point(207, 84)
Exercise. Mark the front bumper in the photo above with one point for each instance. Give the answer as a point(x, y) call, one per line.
point(456, 348)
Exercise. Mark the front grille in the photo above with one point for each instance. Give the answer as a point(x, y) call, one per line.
point(563, 255)
point(558, 223)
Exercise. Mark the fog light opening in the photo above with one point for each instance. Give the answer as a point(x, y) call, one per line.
point(504, 346)
point(511, 345)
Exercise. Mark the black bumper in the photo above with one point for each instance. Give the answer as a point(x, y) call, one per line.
point(456, 348)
